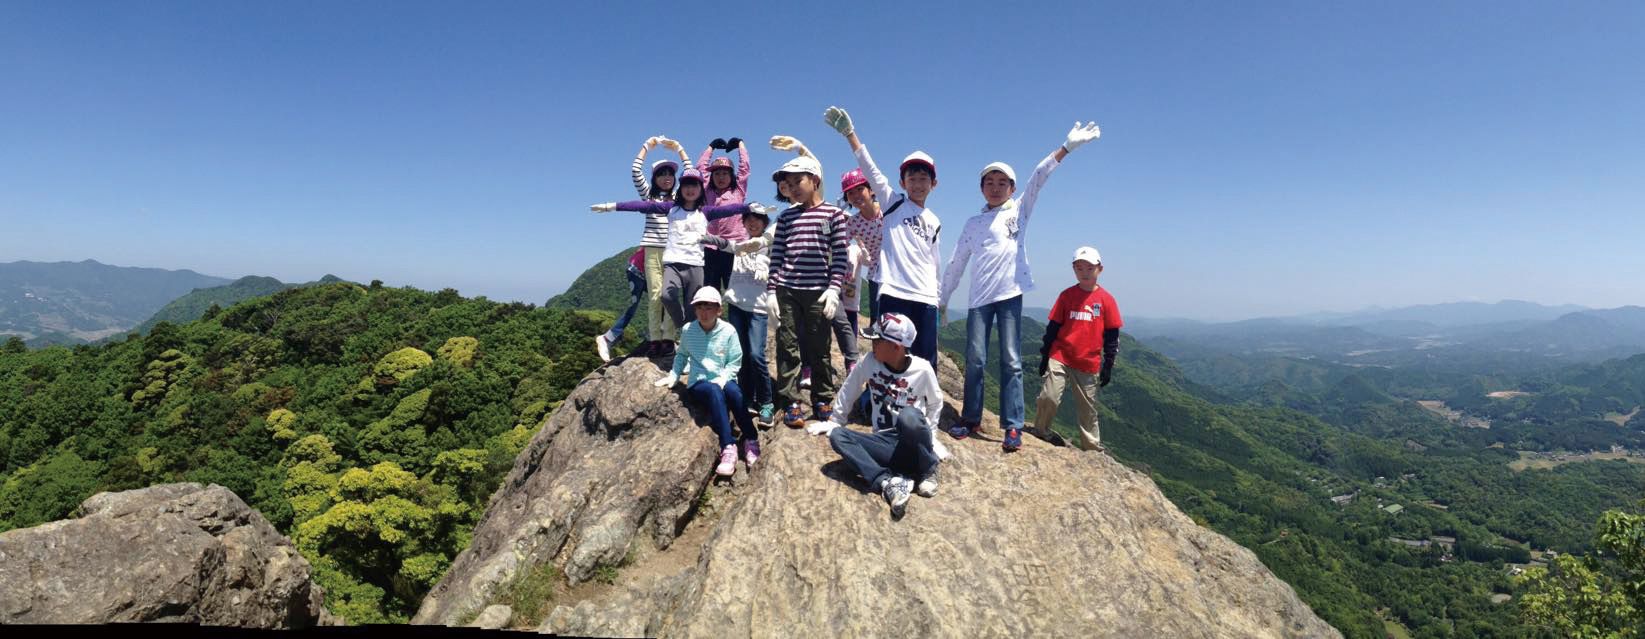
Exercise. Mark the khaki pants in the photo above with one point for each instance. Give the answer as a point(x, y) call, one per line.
point(661, 329)
point(1085, 402)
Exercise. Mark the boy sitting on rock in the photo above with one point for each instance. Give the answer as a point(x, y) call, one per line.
point(905, 403)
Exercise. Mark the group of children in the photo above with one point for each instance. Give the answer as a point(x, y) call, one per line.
point(800, 272)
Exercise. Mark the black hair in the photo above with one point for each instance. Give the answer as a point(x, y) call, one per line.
point(917, 167)
point(679, 198)
point(657, 192)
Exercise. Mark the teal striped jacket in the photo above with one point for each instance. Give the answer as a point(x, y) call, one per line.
point(714, 355)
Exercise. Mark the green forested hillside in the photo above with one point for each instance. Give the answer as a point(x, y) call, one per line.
point(191, 306)
point(369, 424)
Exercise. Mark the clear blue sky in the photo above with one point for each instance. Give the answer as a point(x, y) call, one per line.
point(1256, 158)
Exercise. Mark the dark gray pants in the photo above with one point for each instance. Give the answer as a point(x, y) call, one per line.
point(904, 450)
point(680, 284)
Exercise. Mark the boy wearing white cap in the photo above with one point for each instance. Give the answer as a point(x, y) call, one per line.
point(711, 347)
point(808, 265)
point(995, 238)
point(1082, 337)
point(907, 272)
point(904, 404)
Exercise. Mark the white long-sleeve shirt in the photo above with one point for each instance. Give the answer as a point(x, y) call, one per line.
point(890, 392)
point(997, 239)
point(909, 252)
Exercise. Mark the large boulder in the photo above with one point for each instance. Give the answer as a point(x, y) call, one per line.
point(1044, 542)
point(176, 553)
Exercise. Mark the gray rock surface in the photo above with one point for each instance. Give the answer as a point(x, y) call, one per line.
point(1044, 542)
point(181, 553)
point(493, 617)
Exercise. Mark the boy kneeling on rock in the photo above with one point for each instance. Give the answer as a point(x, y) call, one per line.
point(905, 403)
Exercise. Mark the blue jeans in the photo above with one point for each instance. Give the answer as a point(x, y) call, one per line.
point(718, 401)
point(636, 292)
point(924, 317)
point(1008, 314)
point(904, 449)
point(755, 374)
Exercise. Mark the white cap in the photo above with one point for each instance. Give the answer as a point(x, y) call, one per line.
point(918, 157)
point(894, 327)
point(801, 164)
point(1087, 254)
point(1001, 167)
point(672, 165)
point(706, 294)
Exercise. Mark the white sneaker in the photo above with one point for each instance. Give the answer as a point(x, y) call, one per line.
point(928, 485)
point(602, 347)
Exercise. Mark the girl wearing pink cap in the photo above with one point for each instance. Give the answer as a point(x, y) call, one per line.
point(724, 188)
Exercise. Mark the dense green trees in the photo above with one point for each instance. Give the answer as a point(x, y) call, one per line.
point(369, 424)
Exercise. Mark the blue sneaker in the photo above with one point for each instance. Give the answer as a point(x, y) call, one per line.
point(961, 429)
point(794, 417)
point(1013, 440)
point(824, 412)
point(766, 412)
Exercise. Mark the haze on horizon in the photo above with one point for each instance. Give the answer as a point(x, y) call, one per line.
point(1266, 160)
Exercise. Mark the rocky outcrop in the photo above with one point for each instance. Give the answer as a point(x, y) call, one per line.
point(177, 553)
point(1046, 541)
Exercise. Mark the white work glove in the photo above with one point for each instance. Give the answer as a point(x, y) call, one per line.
point(768, 301)
point(603, 207)
point(786, 143)
point(756, 207)
point(821, 428)
point(753, 245)
point(669, 144)
point(1081, 134)
point(841, 121)
point(941, 450)
point(666, 381)
point(830, 302)
point(761, 275)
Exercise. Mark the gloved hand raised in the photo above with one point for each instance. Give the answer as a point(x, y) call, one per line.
point(783, 143)
point(603, 207)
point(830, 302)
point(1081, 134)
point(718, 143)
point(733, 143)
point(762, 209)
point(669, 144)
point(841, 121)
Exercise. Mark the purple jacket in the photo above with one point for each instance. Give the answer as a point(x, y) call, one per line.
point(737, 194)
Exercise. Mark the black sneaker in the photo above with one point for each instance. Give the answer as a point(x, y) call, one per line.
point(896, 493)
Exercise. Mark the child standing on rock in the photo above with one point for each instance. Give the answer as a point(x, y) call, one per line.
point(654, 240)
point(997, 239)
point(1082, 338)
point(724, 188)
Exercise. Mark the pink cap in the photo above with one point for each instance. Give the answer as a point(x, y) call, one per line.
point(719, 163)
point(692, 174)
point(852, 179)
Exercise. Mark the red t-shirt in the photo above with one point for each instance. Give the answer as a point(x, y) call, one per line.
point(1083, 316)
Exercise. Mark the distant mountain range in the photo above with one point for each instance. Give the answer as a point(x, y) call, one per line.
point(72, 302)
point(1428, 335)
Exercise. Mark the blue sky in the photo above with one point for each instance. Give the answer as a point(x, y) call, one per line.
point(1256, 158)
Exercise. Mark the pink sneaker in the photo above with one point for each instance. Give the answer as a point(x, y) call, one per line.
point(728, 461)
point(751, 452)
